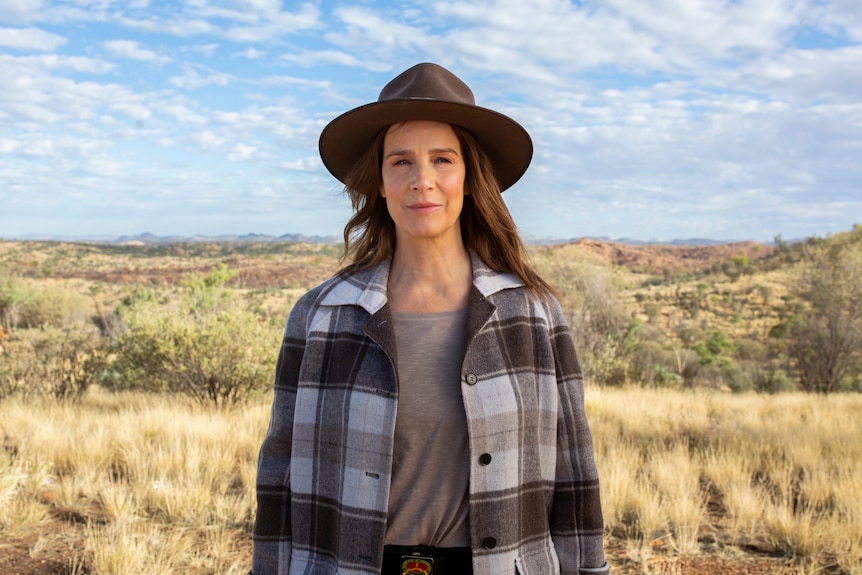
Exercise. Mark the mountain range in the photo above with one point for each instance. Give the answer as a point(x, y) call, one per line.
point(153, 239)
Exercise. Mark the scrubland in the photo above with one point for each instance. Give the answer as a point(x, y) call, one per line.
point(134, 394)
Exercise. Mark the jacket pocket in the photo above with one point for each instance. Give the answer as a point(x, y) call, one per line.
point(541, 561)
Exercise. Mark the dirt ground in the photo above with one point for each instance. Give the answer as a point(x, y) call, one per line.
point(60, 548)
point(57, 546)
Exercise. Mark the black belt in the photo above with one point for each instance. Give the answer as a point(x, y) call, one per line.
point(421, 560)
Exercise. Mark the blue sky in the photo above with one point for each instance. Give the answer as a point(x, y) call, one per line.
point(665, 119)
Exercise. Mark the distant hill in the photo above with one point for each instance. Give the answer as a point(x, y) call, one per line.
point(153, 239)
point(673, 257)
point(539, 240)
point(148, 238)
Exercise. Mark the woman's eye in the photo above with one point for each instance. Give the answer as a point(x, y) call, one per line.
point(443, 160)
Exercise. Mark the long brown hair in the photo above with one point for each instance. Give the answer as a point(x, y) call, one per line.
point(487, 227)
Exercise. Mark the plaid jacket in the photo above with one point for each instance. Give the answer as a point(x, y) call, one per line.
point(324, 467)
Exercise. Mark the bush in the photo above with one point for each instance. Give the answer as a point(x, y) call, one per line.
point(601, 324)
point(713, 348)
point(54, 362)
point(663, 377)
point(826, 338)
point(221, 359)
point(14, 295)
point(23, 305)
point(772, 381)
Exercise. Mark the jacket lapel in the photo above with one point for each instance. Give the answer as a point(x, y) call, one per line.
point(367, 289)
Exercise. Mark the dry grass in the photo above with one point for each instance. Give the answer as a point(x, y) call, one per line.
point(162, 485)
point(159, 485)
point(697, 471)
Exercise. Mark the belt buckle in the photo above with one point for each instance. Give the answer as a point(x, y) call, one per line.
point(417, 565)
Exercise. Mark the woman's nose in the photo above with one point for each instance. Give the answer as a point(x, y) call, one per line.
point(421, 176)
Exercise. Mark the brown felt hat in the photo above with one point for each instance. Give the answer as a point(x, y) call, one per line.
point(427, 92)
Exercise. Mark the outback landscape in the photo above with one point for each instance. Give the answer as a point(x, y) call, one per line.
point(723, 391)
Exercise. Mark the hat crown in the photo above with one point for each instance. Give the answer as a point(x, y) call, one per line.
point(427, 82)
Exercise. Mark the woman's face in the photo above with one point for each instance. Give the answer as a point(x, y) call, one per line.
point(423, 180)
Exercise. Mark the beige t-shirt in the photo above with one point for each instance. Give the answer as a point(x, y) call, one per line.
point(428, 501)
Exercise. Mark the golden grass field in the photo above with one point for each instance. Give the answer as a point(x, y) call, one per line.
point(692, 482)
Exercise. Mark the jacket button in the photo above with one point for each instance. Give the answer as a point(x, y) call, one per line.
point(485, 458)
point(489, 542)
point(472, 379)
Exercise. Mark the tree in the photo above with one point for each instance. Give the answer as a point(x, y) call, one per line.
point(14, 296)
point(601, 326)
point(713, 349)
point(221, 360)
point(215, 352)
point(825, 339)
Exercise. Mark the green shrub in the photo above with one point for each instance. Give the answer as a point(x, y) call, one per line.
point(713, 348)
point(56, 362)
point(663, 377)
point(15, 294)
point(773, 381)
point(221, 358)
point(25, 304)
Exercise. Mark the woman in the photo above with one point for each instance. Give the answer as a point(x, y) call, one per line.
point(428, 413)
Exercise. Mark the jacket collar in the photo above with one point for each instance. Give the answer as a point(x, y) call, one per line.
point(367, 288)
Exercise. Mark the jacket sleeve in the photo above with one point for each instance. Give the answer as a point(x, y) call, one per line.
point(272, 526)
point(576, 517)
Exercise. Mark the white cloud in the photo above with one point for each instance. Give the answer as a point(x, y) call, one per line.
point(311, 58)
point(192, 80)
point(19, 11)
point(368, 32)
point(206, 49)
point(241, 152)
point(710, 29)
point(271, 7)
point(274, 23)
point(838, 17)
point(538, 41)
point(30, 39)
point(175, 26)
point(800, 75)
point(180, 111)
point(243, 21)
point(26, 65)
point(133, 51)
point(8, 145)
point(734, 118)
point(208, 140)
point(306, 164)
point(251, 53)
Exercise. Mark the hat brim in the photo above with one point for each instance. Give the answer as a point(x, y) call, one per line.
point(346, 138)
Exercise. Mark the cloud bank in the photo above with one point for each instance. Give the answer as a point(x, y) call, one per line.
point(669, 119)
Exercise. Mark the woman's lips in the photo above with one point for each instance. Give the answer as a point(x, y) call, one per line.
point(423, 207)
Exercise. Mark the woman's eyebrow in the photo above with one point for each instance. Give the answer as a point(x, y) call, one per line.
point(397, 153)
point(433, 151)
point(443, 151)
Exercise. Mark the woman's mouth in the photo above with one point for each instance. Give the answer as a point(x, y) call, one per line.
point(423, 207)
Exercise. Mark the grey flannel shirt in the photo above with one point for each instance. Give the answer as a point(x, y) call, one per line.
point(324, 467)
